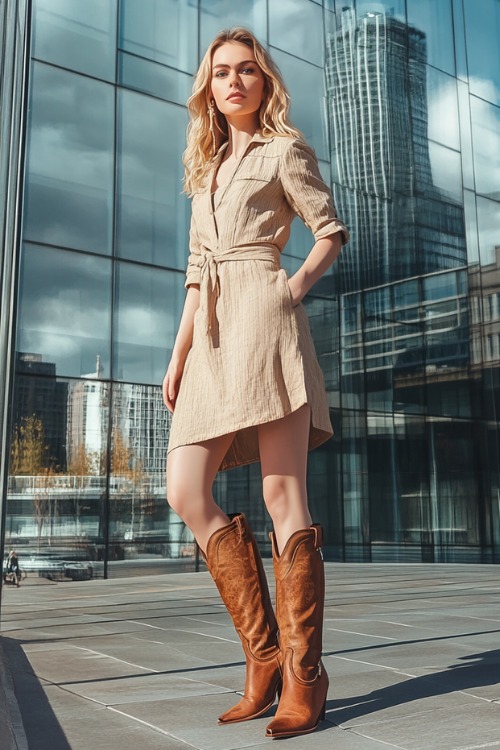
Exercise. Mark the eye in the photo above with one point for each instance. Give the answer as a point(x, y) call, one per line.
point(248, 70)
point(220, 74)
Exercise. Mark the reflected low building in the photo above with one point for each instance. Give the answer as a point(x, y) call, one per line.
point(401, 101)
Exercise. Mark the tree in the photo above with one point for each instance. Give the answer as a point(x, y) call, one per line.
point(29, 453)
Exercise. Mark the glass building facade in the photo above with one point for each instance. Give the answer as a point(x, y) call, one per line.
point(401, 101)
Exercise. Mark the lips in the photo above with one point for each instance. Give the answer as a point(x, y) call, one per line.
point(235, 96)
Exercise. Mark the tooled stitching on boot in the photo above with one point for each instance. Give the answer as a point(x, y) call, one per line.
point(301, 680)
point(262, 659)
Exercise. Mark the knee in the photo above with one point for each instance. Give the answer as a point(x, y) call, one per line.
point(276, 497)
point(181, 495)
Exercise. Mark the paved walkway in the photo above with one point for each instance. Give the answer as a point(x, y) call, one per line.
point(413, 653)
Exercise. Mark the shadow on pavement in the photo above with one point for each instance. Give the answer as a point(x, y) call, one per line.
point(482, 672)
point(40, 723)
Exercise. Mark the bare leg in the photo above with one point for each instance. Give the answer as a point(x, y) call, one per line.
point(191, 471)
point(283, 448)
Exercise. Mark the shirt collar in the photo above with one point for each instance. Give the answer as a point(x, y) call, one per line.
point(256, 138)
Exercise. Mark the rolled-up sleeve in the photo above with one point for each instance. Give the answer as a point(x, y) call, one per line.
point(307, 193)
point(193, 270)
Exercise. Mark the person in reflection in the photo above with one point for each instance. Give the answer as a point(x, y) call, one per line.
point(13, 567)
point(243, 382)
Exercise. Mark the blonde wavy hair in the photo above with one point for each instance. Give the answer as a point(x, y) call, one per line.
point(202, 144)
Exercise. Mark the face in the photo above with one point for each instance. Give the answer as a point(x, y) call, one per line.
point(237, 80)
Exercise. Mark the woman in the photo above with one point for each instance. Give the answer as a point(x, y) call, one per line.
point(243, 382)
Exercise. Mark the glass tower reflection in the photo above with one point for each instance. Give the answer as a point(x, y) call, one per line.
point(405, 219)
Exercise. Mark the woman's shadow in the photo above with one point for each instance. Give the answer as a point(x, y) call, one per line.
point(480, 670)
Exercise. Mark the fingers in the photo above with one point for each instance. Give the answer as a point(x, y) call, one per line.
point(170, 389)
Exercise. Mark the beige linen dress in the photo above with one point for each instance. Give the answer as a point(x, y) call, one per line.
point(252, 359)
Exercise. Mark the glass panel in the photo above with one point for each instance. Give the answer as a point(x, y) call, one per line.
point(486, 142)
point(223, 14)
point(488, 221)
point(323, 314)
point(413, 480)
point(152, 214)
point(471, 227)
point(77, 35)
point(459, 34)
point(465, 135)
point(65, 311)
point(355, 479)
point(324, 481)
point(302, 33)
point(434, 21)
point(152, 78)
point(69, 180)
point(442, 108)
point(56, 497)
point(454, 490)
point(385, 521)
point(446, 172)
point(482, 32)
point(306, 85)
point(144, 535)
point(148, 305)
point(162, 30)
point(351, 352)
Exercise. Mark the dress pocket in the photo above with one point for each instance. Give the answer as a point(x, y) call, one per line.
point(286, 287)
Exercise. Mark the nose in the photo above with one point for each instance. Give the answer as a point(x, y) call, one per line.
point(234, 80)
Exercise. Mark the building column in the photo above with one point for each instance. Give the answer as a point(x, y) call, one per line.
point(14, 49)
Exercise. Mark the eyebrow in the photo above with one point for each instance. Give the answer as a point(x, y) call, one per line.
point(243, 62)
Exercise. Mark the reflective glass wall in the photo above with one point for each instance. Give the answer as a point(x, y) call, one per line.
point(401, 101)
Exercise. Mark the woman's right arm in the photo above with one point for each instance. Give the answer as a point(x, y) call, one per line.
point(183, 341)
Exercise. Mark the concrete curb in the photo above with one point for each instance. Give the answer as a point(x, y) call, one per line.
point(11, 724)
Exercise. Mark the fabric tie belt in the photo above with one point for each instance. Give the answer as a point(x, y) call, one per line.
point(208, 263)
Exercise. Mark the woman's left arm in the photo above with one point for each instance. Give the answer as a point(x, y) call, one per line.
point(312, 200)
point(319, 260)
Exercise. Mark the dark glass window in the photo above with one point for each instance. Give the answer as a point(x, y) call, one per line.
point(434, 20)
point(152, 78)
point(69, 180)
point(76, 35)
point(162, 30)
point(148, 305)
point(482, 32)
point(287, 22)
point(488, 222)
point(306, 84)
point(465, 135)
point(486, 143)
point(252, 14)
point(152, 214)
point(65, 310)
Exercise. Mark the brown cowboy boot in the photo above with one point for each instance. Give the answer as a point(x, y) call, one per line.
point(300, 598)
point(234, 562)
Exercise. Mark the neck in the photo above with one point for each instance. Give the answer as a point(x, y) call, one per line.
point(240, 134)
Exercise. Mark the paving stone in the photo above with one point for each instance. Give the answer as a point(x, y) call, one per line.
point(143, 688)
point(468, 727)
point(355, 700)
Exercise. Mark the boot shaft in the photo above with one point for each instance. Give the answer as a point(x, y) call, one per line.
point(235, 564)
point(300, 598)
